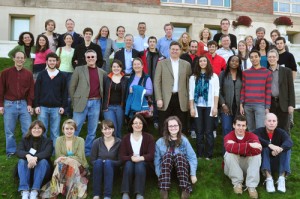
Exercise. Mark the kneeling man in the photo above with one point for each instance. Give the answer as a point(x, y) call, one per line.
point(276, 152)
point(242, 157)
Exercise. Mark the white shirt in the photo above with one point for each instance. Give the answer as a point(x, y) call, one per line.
point(136, 145)
point(175, 68)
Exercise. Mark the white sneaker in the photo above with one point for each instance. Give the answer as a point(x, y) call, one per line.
point(270, 185)
point(215, 134)
point(33, 194)
point(281, 184)
point(193, 134)
point(25, 194)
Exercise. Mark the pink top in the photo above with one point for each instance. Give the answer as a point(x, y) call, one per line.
point(40, 57)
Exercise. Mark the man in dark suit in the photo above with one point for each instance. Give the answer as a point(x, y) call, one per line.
point(127, 54)
point(283, 93)
point(77, 38)
point(191, 56)
point(171, 85)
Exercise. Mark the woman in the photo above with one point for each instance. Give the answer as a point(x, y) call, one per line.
point(105, 159)
point(115, 86)
point(262, 45)
point(137, 153)
point(65, 55)
point(34, 152)
point(184, 41)
point(204, 36)
point(204, 96)
point(42, 50)
point(170, 150)
point(107, 46)
point(137, 83)
point(274, 34)
point(243, 54)
point(26, 45)
point(249, 42)
point(69, 176)
point(119, 42)
point(230, 89)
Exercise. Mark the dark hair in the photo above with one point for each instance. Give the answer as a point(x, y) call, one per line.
point(193, 41)
point(52, 55)
point(21, 42)
point(99, 33)
point(239, 118)
point(255, 51)
point(39, 48)
point(88, 29)
point(224, 19)
point(225, 35)
point(280, 38)
point(259, 41)
point(175, 43)
point(68, 34)
point(212, 42)
point(239, 73)
point(152, 37)
point(168, 24)
point(109, 124)
point(140, 117)
point(117, 62)
point(32, 125)
point(276, 31)
point(49, 21)
point(166, 132)
point(138, 59)
point(140, 23)
point(119, 28)
point(208, 70)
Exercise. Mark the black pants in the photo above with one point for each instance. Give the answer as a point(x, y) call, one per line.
point(283, 117)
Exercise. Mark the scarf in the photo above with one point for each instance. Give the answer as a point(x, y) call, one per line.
point(201, 88)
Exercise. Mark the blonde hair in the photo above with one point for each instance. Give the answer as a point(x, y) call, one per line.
point(69, 122)
point(201, 32)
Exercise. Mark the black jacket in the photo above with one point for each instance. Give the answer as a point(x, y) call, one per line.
point(77, 39)
point(120, 56)
point(80, 57)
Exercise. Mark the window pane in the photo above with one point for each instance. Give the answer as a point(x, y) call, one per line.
point(190, 1)
point(275, 6)
point(296, 8)
point(176, 1)
point(178, 31)
point(203, 2)
point(284, 7)
point(295, 1)
point(19, 25)
point(217, 2)
point(227, 3)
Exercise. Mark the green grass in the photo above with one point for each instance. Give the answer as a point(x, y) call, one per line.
point(5, 62)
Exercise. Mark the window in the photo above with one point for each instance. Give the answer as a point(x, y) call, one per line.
point(19, 25)
point(179, 29)
point(202, 3)
point(287, 6)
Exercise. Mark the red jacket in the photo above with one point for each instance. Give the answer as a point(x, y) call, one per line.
point(217, 62)
point(241, 147)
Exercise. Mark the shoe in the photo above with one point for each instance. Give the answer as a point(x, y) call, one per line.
point(281, 184)
point(215, 134)
point(25, 194)
point(238, 189)
point(252, 192)
point(185, 195)
point(208, 159)
point(155, 125)
point(125, 196)
point(270, 185)
point(163, 194)
point(96, 197)
point(139, 196)
point(193, 134)
point(10, 155)
point(33, 194)
point(105, 197)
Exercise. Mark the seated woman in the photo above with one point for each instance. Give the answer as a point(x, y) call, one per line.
point(34, 152)
point(69, 176)
point(136, 152)
point(174, 150)
point(105, 159)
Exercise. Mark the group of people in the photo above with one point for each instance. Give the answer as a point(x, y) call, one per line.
point(184, 85)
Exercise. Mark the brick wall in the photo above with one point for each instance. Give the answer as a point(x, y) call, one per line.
point(145, 2)
point(259, 6)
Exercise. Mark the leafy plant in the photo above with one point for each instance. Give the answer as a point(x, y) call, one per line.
point(283, 20)
point(242, 21)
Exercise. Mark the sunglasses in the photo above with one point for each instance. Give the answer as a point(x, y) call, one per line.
point(90, 57)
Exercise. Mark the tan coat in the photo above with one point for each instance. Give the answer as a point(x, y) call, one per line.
point(164, 79)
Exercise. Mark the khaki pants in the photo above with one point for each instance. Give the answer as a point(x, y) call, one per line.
point(236, 167)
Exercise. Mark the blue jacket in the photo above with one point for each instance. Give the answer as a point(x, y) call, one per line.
point(185, 148)
point(136, 101)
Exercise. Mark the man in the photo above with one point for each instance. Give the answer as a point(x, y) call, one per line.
point(225, 51)
point(16, 96)
point(126, 55)
point(283, 93)
point(51, 35)
point(260, 34)
point(79, 53)
point(191, 56)
point(51, 96)
point(77, 39)
point(256, 92)
point(171, 86)
point(217, 62)
point(286, 59)
point(276, 154)
point(86, 91)
point(163, 43)
point(140, 41)
point(225, 24)
point(242, 157)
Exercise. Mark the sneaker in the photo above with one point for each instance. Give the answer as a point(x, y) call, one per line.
point(185, 195)
point(125, 196)
point(208, 159)
point(238, 189)
point(25, 194)
point(9, 155)
point(215, 134)
point(33, 194)
point(281, 184)
point(193, 134)
point(252, 192)
point(139, 196)
point(155, 125)
point(270, 185)
point(96, 197)
point(163, 194)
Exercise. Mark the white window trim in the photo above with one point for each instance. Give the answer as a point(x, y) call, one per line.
point(287, 2)
point(188, 5)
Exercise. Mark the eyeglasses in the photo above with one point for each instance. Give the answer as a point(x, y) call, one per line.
point(173, 126)
point(90, 57)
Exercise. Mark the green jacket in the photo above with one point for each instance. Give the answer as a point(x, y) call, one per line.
point(28, 61)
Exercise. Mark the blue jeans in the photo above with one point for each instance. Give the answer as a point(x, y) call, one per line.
point(227, 122)
point(134, 174)
point(40, 171)
point(68, 109)
point(115, 113)
point(14, 110)
point(51, 116)
point(103, 171)
point(255, 116)
point(92, 111)
point(280, 163)
point(204, 132)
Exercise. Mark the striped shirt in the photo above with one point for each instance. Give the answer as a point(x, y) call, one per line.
point(256, 88)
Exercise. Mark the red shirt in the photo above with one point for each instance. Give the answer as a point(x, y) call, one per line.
point(217, 62)
point(201, 50)
point(16, 85)
point(94, 83)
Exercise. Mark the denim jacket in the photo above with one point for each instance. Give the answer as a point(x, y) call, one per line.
point(185, 148)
